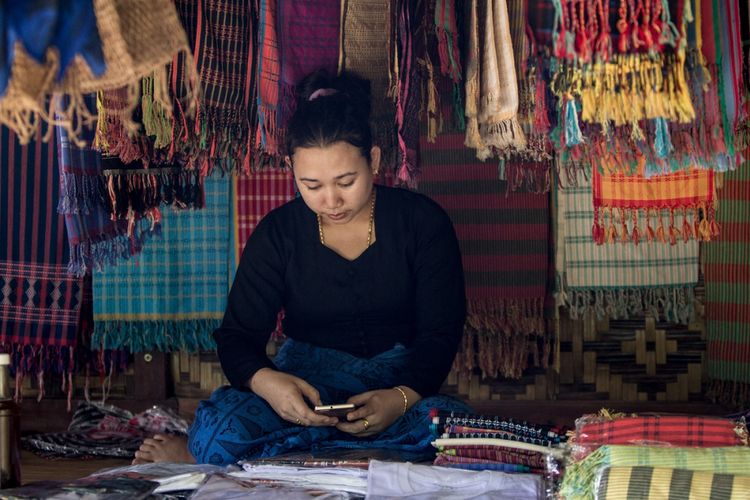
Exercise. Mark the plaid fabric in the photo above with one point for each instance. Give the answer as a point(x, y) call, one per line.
point(662, 430)
point(652, 483)
point(309, 36)
point(683, 192)
point(174, 296)
point(40, 303)
point(253, 196)
point(580, 478)
point(728, 40)
point(505, 251)
point(221, 34)
point(366, 48)
point(727, 278)
point(619, 280)
point(268, 74)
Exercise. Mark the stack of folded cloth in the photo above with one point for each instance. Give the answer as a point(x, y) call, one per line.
point(479, 442)
point(657, 456)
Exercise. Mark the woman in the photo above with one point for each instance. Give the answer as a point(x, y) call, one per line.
point(371, 283)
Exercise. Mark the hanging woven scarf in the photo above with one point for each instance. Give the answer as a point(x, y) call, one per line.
point(366, 46)
point(268, 135)
point(174, 296)
point(580, 479)
point(491, 86)
point(652, 483)
point(622, 204)
point(138, 38)
point(95, 239)
point(222, 36)
point(620, 280)
point(39, 302)
point(727, 277)
point(309, 37)
point(503, 238)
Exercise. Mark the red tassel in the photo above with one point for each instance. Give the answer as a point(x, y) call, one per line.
point(687, 228)
point(672, 229)
point(636, 235)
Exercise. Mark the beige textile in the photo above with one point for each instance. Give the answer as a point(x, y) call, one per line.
point(496, 114)
point(139, 38)
point(365, 50)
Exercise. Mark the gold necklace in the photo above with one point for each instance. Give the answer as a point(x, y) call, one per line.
point(369, 227)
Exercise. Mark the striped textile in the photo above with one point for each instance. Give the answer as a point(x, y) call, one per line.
point(652, 483)
point(447, 460)
point(629, 198)
point(221, 34)
point(727, 278)
point(662, 430)
point(504, 248)
point(40, 304)
point(365, 50)
point(619, 280)
point(580, 478)
point(496, 454)
point(174, 295)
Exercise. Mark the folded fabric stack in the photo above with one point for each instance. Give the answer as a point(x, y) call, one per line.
point(479, 442)
point(657, 456)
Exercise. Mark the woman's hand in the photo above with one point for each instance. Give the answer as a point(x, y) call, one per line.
point(286, 394)
point(378, 410)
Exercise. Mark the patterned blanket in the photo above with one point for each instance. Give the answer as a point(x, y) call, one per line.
point(40, 303)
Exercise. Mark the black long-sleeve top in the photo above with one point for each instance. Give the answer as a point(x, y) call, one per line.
point(407, 287)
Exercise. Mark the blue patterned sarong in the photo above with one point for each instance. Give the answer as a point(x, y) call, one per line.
point(237, 424)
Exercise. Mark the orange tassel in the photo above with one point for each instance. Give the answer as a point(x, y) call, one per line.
point(687, 228)
point(672, 229)
point(660, 230)
point(649, 230)
point(624, 237)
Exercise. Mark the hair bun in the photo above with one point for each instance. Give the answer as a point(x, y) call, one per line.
point(348, 86)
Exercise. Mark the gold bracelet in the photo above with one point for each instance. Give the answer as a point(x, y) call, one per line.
point(406, 400)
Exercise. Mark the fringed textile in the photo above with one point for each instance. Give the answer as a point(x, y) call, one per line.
point(268, 137)
point(580, 478)
point(652, 483)
point(138, 38)
point(409, 19)
point(309, 40)
point(621, 280)
point(503, 238)
point(491, 82)
point(728, 42)
point(727, 278)
point(221, 34)
point(174, 295)
point(690, 197)
point(40, 304)
point(366, 48)
point(95, 239)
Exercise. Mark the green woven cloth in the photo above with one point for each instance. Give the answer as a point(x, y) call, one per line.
point(726, 264)
point(580, 481)
point(615, 279)
point(654, 483)
point(173, 295)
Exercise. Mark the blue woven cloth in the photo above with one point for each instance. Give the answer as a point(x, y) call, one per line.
point(173, 295)
point(235, 424)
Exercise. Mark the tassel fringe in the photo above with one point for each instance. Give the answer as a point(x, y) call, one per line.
point(166, 336)
point(669, 303)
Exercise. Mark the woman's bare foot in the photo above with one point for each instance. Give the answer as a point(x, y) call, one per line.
point(164, 448)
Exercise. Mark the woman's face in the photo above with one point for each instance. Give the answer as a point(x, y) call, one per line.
point(335, 181)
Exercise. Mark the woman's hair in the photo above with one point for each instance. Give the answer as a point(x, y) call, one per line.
point(331, 109)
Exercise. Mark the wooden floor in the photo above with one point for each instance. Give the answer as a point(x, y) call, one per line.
point(34, 468)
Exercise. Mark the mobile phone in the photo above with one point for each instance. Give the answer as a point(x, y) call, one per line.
point(339, 410)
